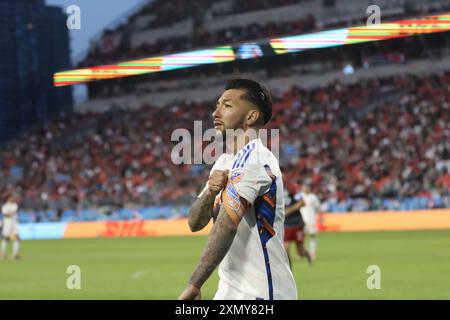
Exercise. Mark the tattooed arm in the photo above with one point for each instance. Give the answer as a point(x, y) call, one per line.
point(217, 245)
point(202, 210)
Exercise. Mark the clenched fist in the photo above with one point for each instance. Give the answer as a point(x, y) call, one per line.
point(217, 181)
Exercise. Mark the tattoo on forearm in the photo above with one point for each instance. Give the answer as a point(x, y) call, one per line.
point(201, 211)
point(215, 213)
point(217, 245)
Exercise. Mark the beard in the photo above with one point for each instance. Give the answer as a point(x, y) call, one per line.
point(238, 125)
point(229, 133)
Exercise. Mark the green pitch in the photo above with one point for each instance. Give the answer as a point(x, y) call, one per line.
point(414, 265)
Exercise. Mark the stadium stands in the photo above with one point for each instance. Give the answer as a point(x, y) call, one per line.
point(381, 143)
point(360, 152)
point(196, 25)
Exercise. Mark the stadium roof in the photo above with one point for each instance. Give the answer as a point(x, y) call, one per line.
point(227, 53)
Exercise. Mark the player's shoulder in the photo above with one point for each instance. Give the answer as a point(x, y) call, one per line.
point(316, 198)
point(222, 161)
point(298, 196)
point(261, 154)
point(224, 157)
point(255, 158)
point(10, 205)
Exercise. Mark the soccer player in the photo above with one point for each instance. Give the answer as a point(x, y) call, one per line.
point(309, 213)
point(10, 227)
point(244, 197)
point(294, 225)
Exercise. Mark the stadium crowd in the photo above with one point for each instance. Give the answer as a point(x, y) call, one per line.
point(383, 160)
point(166, 13)
point(115, 45)
point(200, 38)
point(396, 156)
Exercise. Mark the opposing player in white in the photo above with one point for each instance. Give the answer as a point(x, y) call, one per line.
point(244, 197)
point(10, 230)
point(310, 212)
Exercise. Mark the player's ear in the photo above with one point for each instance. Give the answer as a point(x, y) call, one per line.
point(253, 117)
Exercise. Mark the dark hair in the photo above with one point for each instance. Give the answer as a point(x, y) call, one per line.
point(256, 94)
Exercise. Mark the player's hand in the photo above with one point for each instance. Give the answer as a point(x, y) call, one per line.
point(217, 181)
point(191, 293)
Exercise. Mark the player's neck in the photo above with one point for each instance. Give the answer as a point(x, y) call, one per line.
point(240, 142)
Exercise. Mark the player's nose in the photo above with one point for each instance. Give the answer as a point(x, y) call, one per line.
point(216, 113)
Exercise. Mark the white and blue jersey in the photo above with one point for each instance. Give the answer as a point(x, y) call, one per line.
point(256, 266)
